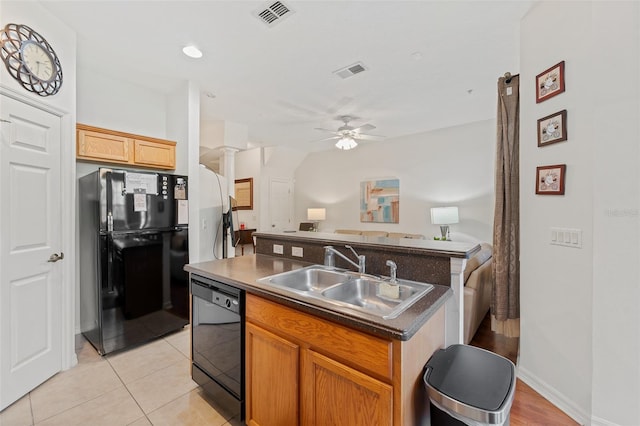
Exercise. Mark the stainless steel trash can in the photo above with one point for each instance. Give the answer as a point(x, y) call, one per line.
point(469, 386)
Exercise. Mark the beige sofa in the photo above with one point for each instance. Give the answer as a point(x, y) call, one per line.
point(478, 285)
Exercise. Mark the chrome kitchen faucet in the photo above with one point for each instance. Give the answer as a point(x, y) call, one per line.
point(329, 259)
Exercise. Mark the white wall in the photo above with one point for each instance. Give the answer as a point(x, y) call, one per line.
point(183, 124)
point(616, 289)
point(248, 165)
point(452, 166)
point(278, 164)
point(118, 105)
point(579, 314)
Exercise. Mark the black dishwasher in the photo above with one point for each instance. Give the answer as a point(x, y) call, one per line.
point(217, 339)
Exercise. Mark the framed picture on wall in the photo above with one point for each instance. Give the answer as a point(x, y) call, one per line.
point(550, 179)
point(552, 128)
point(550, 83)
point(244, 193)
point(380, 201)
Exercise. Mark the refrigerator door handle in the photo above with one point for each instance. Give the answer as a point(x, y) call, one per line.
point(109, 201)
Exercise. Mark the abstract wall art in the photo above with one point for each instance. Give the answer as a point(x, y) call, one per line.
point(380, 201)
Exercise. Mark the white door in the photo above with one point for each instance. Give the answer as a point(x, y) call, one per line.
point(30, 240)
point(280, 205)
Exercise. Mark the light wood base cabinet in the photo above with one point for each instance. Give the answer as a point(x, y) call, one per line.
point(110, 146)
point(304, 370)
point(272, 371)
point(334, 394)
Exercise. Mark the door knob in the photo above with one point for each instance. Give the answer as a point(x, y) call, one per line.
point(55, 257)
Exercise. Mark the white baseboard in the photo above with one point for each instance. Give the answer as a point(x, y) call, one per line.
point(558, 399)
point(597, 421)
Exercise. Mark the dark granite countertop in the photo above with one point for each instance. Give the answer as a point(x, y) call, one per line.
point(424, 247)
point(244, 271)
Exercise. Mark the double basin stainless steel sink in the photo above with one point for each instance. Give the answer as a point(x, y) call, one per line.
point(357, 291)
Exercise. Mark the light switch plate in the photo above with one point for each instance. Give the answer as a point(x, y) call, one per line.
point(568, 237)
point(278, 249)
point(296, 251)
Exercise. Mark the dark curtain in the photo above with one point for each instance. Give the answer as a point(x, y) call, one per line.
point(505, 300)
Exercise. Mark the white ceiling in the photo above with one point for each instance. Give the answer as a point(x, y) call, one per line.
point(432, 64)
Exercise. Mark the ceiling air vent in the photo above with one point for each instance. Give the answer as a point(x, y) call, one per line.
point(351, 70)
point(272, 13)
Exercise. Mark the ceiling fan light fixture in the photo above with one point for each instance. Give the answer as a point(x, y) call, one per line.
point(346, 143)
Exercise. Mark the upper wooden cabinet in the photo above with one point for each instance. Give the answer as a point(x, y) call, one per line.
point(109, 146)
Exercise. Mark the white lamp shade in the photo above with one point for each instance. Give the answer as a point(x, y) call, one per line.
point(316, 214)
point(346, 143)
point(444, 215)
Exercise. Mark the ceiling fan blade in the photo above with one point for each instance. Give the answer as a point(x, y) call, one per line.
point(326, 130)
point(364, 128)
point(339, 105)
point(326, 139)
point(368, 137)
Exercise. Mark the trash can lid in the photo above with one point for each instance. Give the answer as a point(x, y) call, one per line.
point(473, 376)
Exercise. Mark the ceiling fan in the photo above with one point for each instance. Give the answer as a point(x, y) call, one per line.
point(348, 135)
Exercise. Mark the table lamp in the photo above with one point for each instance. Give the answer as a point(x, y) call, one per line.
point(315, 215)
point(444, 216)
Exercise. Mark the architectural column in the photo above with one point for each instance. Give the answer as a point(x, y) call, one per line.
point(228, 167)
point(454, 309)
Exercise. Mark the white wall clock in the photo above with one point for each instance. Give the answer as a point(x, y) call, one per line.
point(30, 59)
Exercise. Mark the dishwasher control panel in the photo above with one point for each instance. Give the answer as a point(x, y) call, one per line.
point(225, 301)
point(217, 293)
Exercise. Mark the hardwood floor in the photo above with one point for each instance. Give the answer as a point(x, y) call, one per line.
point(529, 407)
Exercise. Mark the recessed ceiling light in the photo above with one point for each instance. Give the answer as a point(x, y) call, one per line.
point(192, 51)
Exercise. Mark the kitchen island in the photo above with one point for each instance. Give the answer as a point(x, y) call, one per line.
point(312, 362)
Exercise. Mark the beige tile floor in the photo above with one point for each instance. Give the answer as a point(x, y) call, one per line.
point(146, 385)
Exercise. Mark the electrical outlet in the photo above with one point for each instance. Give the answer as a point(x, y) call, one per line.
point(278, 249)
point(296, 251)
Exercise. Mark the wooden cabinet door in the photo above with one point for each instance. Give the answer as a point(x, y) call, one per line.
point(102, 146)
point(334, 394)
point(111, 146)
point(160, 155)
point(272, 378)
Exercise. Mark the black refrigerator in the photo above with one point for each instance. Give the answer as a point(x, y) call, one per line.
point(133, 246)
